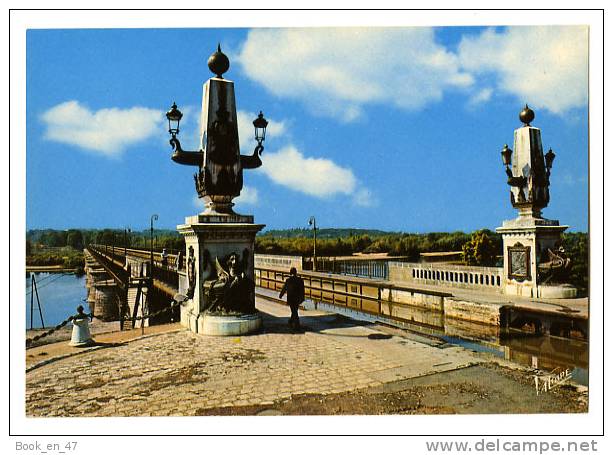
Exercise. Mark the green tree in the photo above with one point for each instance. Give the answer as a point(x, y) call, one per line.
point(105, 237)
point(576, 247)
point(74, 239)
point(479, 250)
point(53, 238)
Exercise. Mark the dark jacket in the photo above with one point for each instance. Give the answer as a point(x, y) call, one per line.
point(294, 286)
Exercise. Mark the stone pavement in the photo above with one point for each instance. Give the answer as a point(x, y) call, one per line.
point(182, 373)
point(579, 306)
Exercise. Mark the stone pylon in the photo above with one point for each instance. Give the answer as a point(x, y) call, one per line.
point(534, 261)
point(219, 276)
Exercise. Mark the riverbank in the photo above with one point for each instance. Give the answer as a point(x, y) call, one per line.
point(50, 268)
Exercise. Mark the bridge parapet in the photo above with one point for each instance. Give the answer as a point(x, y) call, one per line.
point(485, 279)
point(277, 261)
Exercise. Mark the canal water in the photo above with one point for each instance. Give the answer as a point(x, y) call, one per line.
point(59, 293)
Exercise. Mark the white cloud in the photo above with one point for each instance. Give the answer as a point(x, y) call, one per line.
point(335, 71)
point(317, 177)
point(481, 96)
point(547, 67)
point(288, 167)
point(249, 196)
point(363, 197)
point(107, 131)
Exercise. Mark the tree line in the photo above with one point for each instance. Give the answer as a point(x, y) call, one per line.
point(481, 248)
point(80, 238)
point(395, 244)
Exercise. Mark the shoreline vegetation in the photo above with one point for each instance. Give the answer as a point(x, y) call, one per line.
point(50, 268)
point(49, 247)
point(64, 259)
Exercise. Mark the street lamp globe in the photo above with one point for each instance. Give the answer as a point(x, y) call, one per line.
point(549, 157)
point(260, 124)
point(506, 155)
point(174, 116)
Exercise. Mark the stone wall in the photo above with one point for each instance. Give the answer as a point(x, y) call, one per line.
point(101, 291)
point(427, 301)
point(479, 312)
point(107, 306)
point(275, 261)
point(486, 279)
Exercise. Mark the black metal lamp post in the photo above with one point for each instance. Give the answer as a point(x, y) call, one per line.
point(312, 222)
point(126, 231)
point(154, 217)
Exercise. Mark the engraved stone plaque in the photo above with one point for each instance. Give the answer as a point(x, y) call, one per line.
point(519, 262)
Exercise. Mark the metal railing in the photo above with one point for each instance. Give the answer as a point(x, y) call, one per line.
point(164, 271)
point(375, 297)
point(369, 268)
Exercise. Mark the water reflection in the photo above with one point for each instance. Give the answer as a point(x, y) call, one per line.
point(529, 349)
point(59, 295)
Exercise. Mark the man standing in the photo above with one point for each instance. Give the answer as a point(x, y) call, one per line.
point(164, 258)
point(294, 286)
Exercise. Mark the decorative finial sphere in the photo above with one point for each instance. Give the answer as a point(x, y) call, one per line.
point(526, 115)
point(218, 62)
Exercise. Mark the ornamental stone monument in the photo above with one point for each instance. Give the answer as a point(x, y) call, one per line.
point(535, 264)
point(218, 285)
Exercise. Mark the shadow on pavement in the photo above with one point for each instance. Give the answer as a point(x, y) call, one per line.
point(108, 345)
point(317, 324)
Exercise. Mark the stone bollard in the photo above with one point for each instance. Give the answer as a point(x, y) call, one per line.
point(80, 330)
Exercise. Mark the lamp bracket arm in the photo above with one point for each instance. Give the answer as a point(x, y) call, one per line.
point(253, 161)
point(518, 182)
point(185, 157)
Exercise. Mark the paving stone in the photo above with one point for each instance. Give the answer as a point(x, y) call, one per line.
point(180, 372)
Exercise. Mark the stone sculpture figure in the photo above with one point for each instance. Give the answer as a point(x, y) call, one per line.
point(191, 272)
point(554, 266)
point(231, 291)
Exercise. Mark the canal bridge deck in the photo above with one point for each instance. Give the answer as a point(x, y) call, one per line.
point(391, 301)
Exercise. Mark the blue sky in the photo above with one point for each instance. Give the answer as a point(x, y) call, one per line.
point(396, 129)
